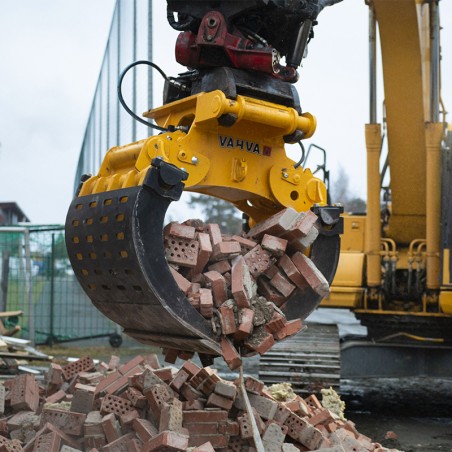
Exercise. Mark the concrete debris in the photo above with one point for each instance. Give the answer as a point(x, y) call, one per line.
point(139, 406)
point(240, 283)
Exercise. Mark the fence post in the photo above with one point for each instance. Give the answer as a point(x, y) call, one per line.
point(4, 280)
point(28, 288)
point(51, 337)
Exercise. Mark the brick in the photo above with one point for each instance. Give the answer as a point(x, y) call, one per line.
point(165, 374)
point(135, 396)
point(254, 386)
point(206, 303)
point(225, 250)
point(81, 365)
point(144, 429)
point(47, 442)
point(24, 394)
point(276, 225)
point(204, 252)
point(274, 245)
point(69, 449)
point(313, 402)
point(270, 293)
point(246, 429)
point(324, 416)
point(114, 362)
point(206, 447)
point(227, 318)
point(157, 396)
point(93, 424)
point(191, 368)
point(218, 401)
point(179, 379)
point(303, 432)
point(120, 444)
point(199, 416)
point(116, 405)
point(146, 379)
point(189, 393)
point(276, 323)
point(216, 282)
point(264, 407)
point(67, 421)
point(83, 399)
point(55, 374)
point(203, 428)
point(180, 231)
point(302, 226)
point(245, 327)
point(183, 283)
point(230, 354)
point(311, 274)
point(226, 390)
point(220, 267)
point(134, 445)
point(167, 441)
point(151, 360)
point(92, 378)
point(243, 287)
point(23, 417)
point(217, 441)
point(106, 382)
point(96, 442)
point(290, 328)
point(258, 261)
point(245, 244)
point(181, 252)
point(214, 233)
point(111, 427)
point(291, 271)
point(171, 416)
point(193, 405)
point(282, 284)
point(261, 342)
point(56, 397)
point(273, 436)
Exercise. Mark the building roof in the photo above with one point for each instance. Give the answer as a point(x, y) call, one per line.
point(12, 206)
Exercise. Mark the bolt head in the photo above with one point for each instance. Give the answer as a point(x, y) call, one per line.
point(194, 160)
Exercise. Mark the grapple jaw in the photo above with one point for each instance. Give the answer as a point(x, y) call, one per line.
point(115, 244)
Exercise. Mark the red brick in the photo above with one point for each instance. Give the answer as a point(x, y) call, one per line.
point(47, 442)
point(245, 244)
point(120, 444)
point(226, 390)
point(83, 399)
point(181, 252)
point(25, 393)
point(56, 397)
point(311, 274)
point(171, 416)
point(183, 283)
point(157, 396)
point(253, 385)
point(144, 429)
point(127, 418)
point(227, 318)
point(82, 365)
point(204, 253)
point(111, 428)
point(270, 293)
point(260, 343)
point(290, 328)
point(258, 261)
point(216, 282)
point(135, 396)
point(324, 416)
point(146, 379)
point(181, 231)
point(230, 354)
point(179, 379)
point(193, 405)
point(225, 250)
point(214, 232)
point(276, 225)
point(197, 416)
point(203, 428)
point(206, 303)
point(206, 447)
point(55, 374)
point(282, 284)
point(191, 368)
point(134, 445)
point(167, 441)
point(276, 323)
point(220, 267)
point(107, 381)
point(291, 271)
point(115, 404)
point(165, 374)
point(302, 226)
point(67, 421)
point(313, 402)
point(242, 285)
point(274, 245)
point(189, 393)
point(245, 326)
point(217, 401)
point(246, 429)
point(217, 441)
point(114, 362)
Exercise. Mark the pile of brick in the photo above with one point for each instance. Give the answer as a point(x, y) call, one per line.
point(140, 406)
point(241, 282)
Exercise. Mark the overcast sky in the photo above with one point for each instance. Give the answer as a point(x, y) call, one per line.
point(51, 52)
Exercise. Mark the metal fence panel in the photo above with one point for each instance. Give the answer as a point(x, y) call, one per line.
point(36, 277)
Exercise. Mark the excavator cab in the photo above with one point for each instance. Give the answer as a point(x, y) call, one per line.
point(223, 127)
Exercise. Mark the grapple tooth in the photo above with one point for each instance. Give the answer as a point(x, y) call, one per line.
point(115, 244)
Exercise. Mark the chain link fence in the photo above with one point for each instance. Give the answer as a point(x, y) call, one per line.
point(109, 124)
point(36, 278)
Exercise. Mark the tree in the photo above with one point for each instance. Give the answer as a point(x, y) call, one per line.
point(218, 211)
point(340, 193)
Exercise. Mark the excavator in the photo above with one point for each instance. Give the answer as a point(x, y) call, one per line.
point(222, 129)
point(395, 264)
